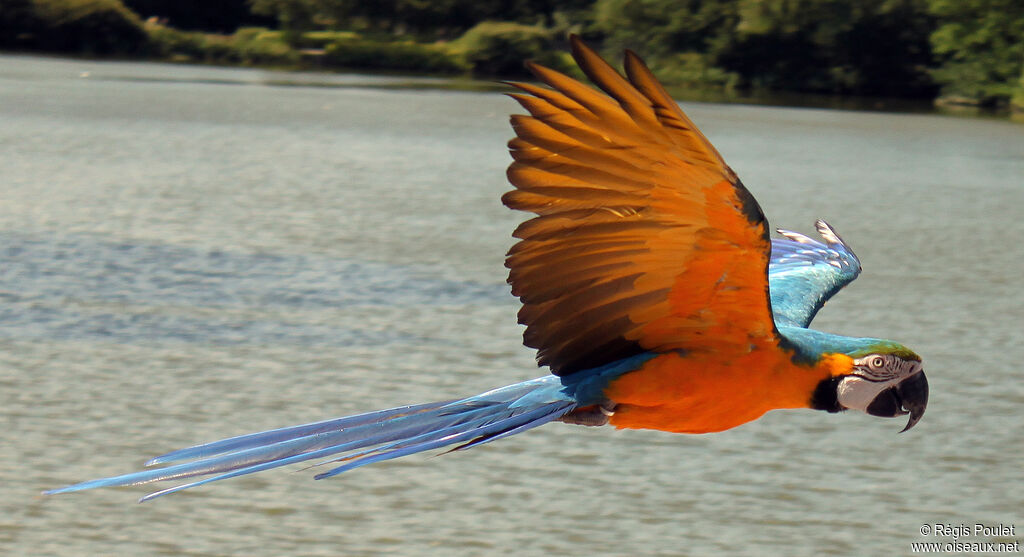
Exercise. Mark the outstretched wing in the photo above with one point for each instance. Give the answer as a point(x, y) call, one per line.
point(804, 273)
point(645, 240)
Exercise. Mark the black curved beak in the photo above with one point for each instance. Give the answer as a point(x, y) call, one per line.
point(910, 396)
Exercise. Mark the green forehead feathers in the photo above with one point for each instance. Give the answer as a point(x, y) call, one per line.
point(886, 347)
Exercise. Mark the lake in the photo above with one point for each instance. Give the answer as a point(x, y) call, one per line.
point(190, 253)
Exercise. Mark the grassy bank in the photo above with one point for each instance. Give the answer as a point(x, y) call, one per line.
point(490, 49)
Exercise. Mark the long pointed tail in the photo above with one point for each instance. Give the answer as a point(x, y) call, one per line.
point(359, 440)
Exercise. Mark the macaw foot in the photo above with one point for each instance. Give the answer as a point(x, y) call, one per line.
point(591, 415)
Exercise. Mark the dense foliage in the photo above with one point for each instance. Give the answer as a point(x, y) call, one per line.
point(98, 27)
point(970, 51)
point(436, 19)
point(499, 48)
point(392, 55)
point(979, 45)
point(867, 47)
point(247, 46)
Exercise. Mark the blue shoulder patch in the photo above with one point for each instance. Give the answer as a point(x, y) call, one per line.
point(587, 386)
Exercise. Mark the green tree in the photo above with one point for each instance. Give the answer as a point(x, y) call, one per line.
point(867, 47)
point(659, 28)
point(500, 48)
point(980, 45)
point(1017, 101)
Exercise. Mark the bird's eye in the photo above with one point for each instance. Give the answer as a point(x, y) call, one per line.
point(876, 363)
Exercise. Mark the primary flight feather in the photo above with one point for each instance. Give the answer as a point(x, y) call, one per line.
point(650, 286)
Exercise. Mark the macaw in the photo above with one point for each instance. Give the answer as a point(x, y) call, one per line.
point(650, 286)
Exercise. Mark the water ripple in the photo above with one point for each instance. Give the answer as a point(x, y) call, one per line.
point(80, 287)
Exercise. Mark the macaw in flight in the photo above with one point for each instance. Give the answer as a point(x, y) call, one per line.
point(649, 285)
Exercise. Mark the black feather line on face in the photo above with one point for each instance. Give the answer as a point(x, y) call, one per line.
point(826, 395)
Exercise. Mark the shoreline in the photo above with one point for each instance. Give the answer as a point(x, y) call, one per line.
point(320, 76)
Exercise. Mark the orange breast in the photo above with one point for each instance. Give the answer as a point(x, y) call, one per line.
point(703, 392)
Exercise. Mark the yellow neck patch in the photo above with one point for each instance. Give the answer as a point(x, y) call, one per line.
point(835, 364)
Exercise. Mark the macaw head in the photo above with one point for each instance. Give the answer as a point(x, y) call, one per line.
point(883, 379)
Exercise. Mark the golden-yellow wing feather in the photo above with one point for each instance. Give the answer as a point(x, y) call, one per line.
point(644, 241)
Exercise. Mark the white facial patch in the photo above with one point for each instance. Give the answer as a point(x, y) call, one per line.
point(857, 393)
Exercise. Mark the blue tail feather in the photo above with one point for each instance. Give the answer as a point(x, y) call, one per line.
point(532, 419)
point(264, 438)
point(360, 439)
